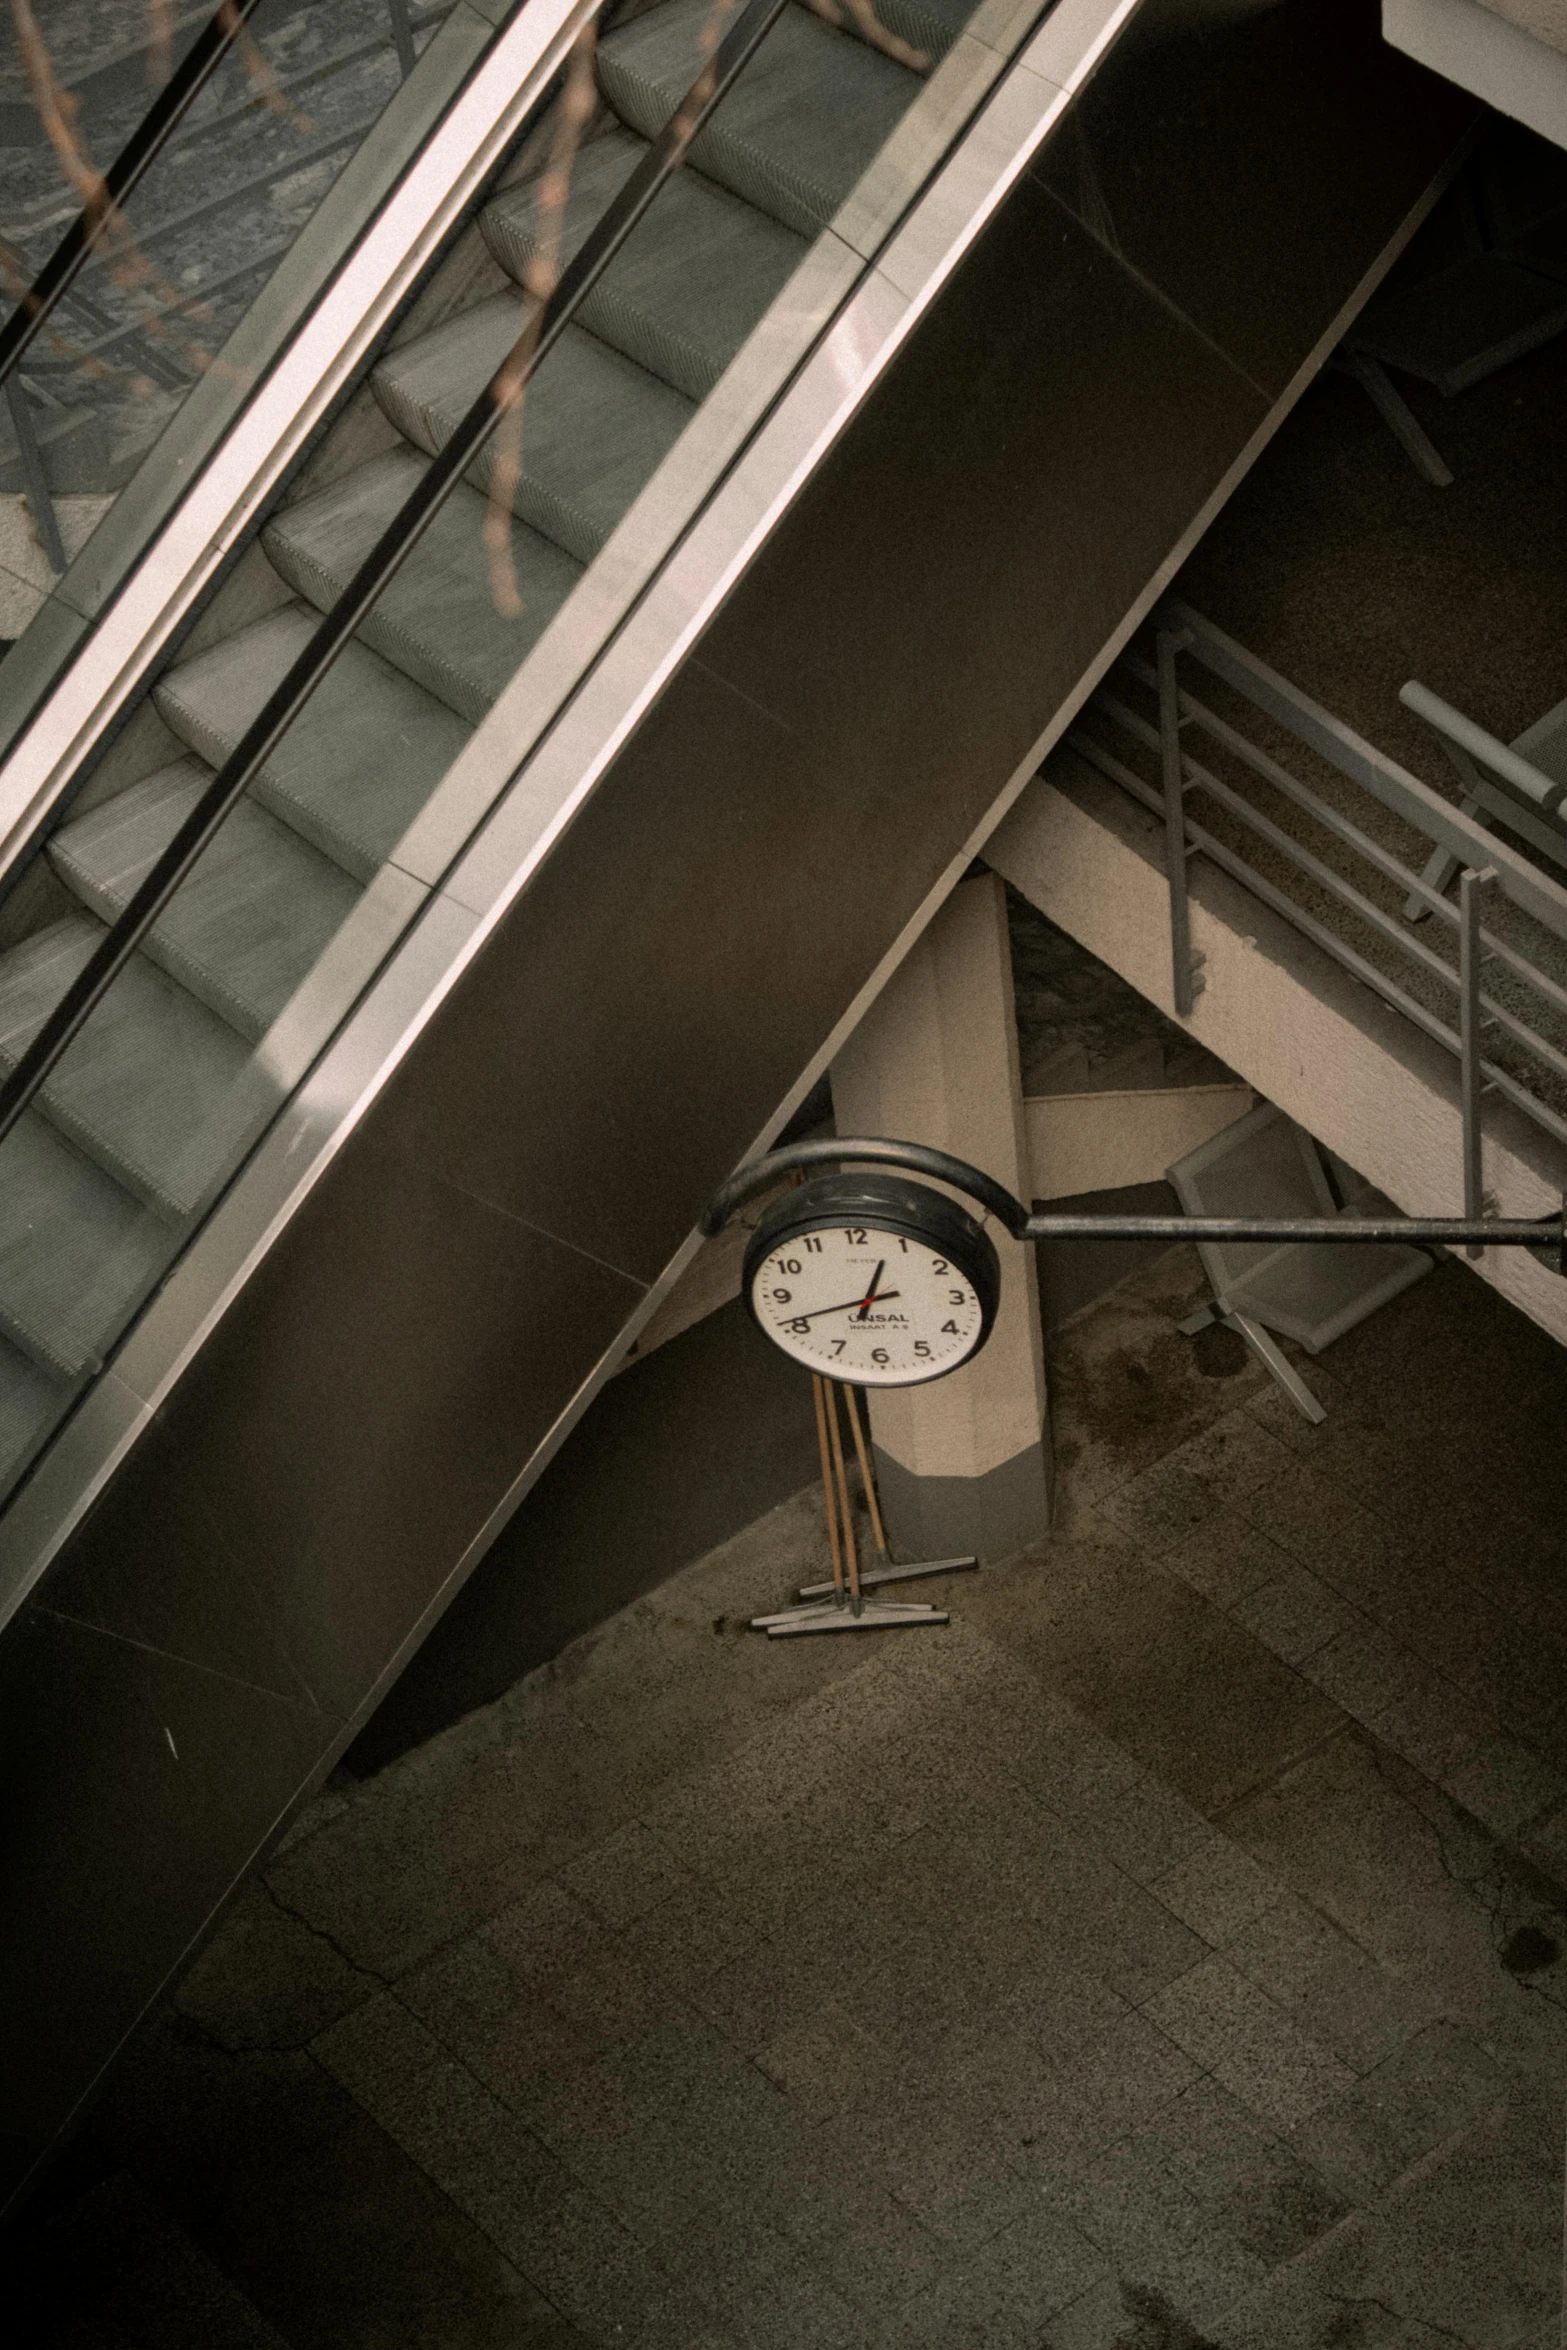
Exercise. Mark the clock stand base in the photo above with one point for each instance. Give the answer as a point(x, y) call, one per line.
point(872, 1615)
point(839, 1606)
point(888, 1573)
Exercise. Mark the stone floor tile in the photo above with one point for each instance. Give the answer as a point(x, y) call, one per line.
point(1333, 1989)
point(1505, 1784)
point(1225, 1558)
point(623, 1878)
point(1218, 1889)
point(1437, 2084)
point(1417, 1882)
point(1146, 1829)
point(506, 2029)
point(1294, 1615)
point(1251, 2185)
point(1233, 2030)
point(1404, 1703)
point(1093, 2095)
point(267, 1980)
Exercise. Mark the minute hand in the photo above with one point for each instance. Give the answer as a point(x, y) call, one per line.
point(848, 1305)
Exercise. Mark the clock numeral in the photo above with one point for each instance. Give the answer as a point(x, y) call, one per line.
point(957, 1297)
point(854, 1234)
point(813, 1244)
point(940, 1266)
point(838, 1345)
point(788, 1264)
point(903, 1244)
point(953, 1328)
point(879, 1354)
point(801, 1325)
point(922, 1346)
point(782, 1296)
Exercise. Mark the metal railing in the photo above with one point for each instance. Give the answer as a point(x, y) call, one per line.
point(1491, 987)
point(58, 276)
point(540, 332)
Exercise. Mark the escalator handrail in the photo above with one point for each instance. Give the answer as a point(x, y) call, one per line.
point(140, 151)
point(540, 333)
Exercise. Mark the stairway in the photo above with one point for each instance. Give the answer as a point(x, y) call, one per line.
point(147, 1116)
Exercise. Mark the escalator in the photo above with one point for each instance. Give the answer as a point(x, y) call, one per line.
point(845, 472)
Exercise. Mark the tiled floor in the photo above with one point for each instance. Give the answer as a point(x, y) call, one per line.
point(1167, 1956)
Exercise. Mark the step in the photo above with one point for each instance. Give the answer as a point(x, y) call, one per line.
point(116, 2266)
point(29, 1400)
point(697, 273)
point(250, 920)
point(359, 762)
point(813, 108)
point(595, 425)
point(154, 1085)
point(437, 622)
point(76, 1250)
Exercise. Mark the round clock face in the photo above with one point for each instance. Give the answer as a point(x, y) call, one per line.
point(872, 1305)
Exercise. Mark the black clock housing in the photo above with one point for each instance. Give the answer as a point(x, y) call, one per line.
point(888, 1203)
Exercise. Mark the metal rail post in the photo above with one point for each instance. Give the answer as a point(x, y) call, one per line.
point(403, 35)
point(1183, 981)
point(1474, 889)
point(33, 474)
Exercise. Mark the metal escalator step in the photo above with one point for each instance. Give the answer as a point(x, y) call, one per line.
point(696, 275)
point(358, 763)
point(595, 426)
point(813, 108)
point(252, 916)
point(155, 1087)
point(29, 1402)
point(76, 1249)
point(437, 622)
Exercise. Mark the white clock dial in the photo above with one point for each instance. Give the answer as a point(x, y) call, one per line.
point(867, 1305)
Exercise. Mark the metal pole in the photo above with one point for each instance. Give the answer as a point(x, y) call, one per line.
point(403, 35)
point(34, 476)
point(1473, 891)
point(1169, 643)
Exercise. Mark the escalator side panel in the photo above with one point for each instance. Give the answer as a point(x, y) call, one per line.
point(925, 615)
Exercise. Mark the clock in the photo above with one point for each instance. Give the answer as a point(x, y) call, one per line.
point(872, 1280)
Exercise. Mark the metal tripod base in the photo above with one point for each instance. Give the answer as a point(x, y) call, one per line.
point(887, 1573)
point(872, 1615)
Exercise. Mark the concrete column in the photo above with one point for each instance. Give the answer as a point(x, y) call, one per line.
point(963, 1464)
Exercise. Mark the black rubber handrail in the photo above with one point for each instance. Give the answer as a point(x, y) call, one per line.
point(140, 151)
point(391, 550)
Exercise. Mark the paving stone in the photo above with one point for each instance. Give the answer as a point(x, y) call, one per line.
point(1095, 2094)
point(1144, 2217)
point(1194, 1483)
point(1505, 1784)
point(1234, 2031)
point(1331, 1987)
point(623, 1878)
point(1252, 2185)
point(266, 1980)
point(1294, 1615)
point(1409, 1707)
point(1218, 1890)
point(1368, 1842)
point(1437, 2084)
point(1225, 1558)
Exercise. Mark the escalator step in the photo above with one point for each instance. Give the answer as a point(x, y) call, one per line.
point(697, 273)
point(29, 1401)
point(155, 1083)
point(811, 111)
point(437, 622)
point(75, 1250)
point(595, 426)
point(251, 918)
point(358, 763)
